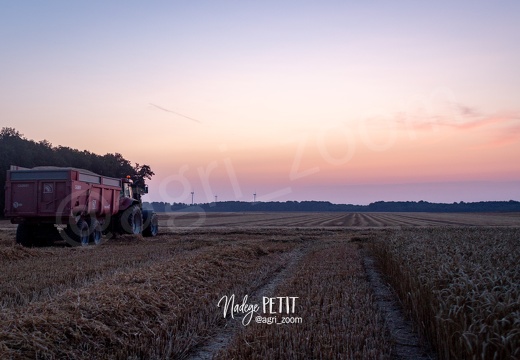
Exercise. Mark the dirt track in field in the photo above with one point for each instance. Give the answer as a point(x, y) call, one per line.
point(407, 344)
point(223, 338)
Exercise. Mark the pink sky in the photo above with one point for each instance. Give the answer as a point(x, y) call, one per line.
point(349, 103)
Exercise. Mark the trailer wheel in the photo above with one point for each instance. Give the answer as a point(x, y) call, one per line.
point(152, 228)
point(94, 231)
point(132, 220)
point(83, 232)
point(25, 234)
point(78, 233)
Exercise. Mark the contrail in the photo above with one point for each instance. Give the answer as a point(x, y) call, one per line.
point(176, 113)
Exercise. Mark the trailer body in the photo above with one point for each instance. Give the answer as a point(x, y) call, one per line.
point(88, 205)
point(55, 195)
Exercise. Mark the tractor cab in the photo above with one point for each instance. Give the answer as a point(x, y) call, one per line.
point(131, 190)
point(127, 189)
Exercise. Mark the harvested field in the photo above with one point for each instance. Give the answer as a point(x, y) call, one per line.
point(136, 298)
point(147, 309)
point(178, 220)
point(175, 221)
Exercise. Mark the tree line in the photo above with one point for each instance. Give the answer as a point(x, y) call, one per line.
point(317, 206)
point(15, 149)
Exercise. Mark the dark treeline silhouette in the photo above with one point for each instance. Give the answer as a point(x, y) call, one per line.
point(15, 149)
point(380, 206)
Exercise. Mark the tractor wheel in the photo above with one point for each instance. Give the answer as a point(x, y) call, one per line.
point(94, 231)
point(152, 228)
point(132, 220)
point(78, 234)
point(25, 234)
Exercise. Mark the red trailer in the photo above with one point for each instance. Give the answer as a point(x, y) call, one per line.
point(87, 204)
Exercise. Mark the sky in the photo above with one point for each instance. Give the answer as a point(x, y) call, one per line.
point(341, 101)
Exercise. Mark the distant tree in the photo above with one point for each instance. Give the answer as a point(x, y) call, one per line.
point(115, 165)
point(141, 173)
point(9, 132)
point(45, 144)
